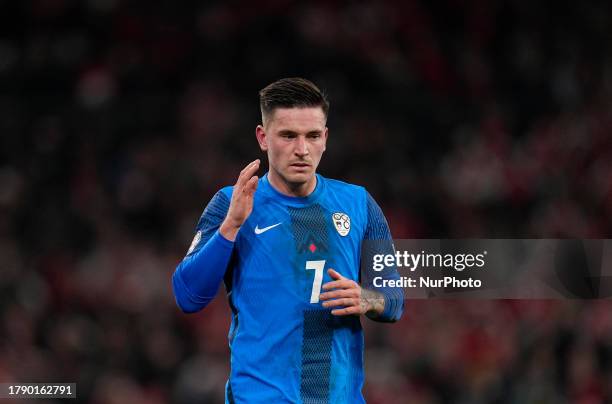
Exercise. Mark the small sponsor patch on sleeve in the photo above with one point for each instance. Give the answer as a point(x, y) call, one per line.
point(194, 243)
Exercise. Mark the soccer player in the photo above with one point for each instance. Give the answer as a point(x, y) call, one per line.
point(287, 246)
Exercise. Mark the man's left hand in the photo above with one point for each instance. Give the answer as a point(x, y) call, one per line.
point(350, 297)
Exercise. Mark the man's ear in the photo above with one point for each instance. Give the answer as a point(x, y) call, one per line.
point(262, 138)
point(325, 138)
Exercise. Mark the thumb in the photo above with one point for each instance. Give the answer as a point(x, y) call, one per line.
point(334, 274)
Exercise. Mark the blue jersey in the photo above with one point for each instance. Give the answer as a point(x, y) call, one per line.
point(286, 347)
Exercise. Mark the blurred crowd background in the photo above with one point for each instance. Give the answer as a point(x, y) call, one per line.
point(464, 118)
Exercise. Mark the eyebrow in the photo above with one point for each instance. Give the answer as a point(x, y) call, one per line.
point(291, 132)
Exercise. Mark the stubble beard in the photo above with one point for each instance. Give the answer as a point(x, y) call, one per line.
point(297, 183)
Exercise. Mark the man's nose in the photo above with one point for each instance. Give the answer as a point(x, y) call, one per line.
point(301, 146)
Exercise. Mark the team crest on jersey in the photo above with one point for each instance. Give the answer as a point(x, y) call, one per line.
point(194, 243)
point(342, 223)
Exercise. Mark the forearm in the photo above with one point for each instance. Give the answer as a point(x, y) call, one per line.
point(388, 303)
point(197, 278)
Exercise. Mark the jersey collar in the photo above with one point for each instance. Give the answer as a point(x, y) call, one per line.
point(267, 188)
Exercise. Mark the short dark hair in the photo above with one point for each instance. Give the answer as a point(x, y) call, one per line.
point(293, 92)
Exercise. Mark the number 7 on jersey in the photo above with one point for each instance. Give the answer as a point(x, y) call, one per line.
point(318, 279)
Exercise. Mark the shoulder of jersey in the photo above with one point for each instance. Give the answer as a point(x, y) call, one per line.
point(337, 185)
point(227, 191)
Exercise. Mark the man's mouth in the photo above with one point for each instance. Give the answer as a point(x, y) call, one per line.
point(300, 165)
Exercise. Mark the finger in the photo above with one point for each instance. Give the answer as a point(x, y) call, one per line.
point(334, 274)
point(251, 186)
point(346, 312)
point(347, 302)
point(341, 284)
point(247, 172)
point(332, 285)
point(246, 168)
point(339, 293)
point(249, 166)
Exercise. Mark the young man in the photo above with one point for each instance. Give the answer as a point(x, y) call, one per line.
point(287, 247)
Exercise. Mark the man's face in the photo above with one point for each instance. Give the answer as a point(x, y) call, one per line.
point(295, 140)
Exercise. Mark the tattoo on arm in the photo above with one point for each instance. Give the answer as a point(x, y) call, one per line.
point(372, 303)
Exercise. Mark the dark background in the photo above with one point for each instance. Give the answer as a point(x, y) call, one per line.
point(120, 119)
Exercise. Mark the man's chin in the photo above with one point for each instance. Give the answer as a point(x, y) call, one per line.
point(299, 178)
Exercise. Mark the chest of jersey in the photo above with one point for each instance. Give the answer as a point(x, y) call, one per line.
point(287, 250)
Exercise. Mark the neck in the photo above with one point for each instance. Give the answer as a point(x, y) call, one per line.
point(301, 189)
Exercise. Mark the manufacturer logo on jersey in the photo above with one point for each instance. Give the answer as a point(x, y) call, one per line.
point(342, 223)
point(194, 243)
point(265, 229)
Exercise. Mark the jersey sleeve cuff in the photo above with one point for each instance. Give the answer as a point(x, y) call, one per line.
point(390, 313)
point(218, 238)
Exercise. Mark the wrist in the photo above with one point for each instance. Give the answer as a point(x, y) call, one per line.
point(375, 302)
point(229, 229)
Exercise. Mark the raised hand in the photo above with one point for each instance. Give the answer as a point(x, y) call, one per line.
point(241, 204)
